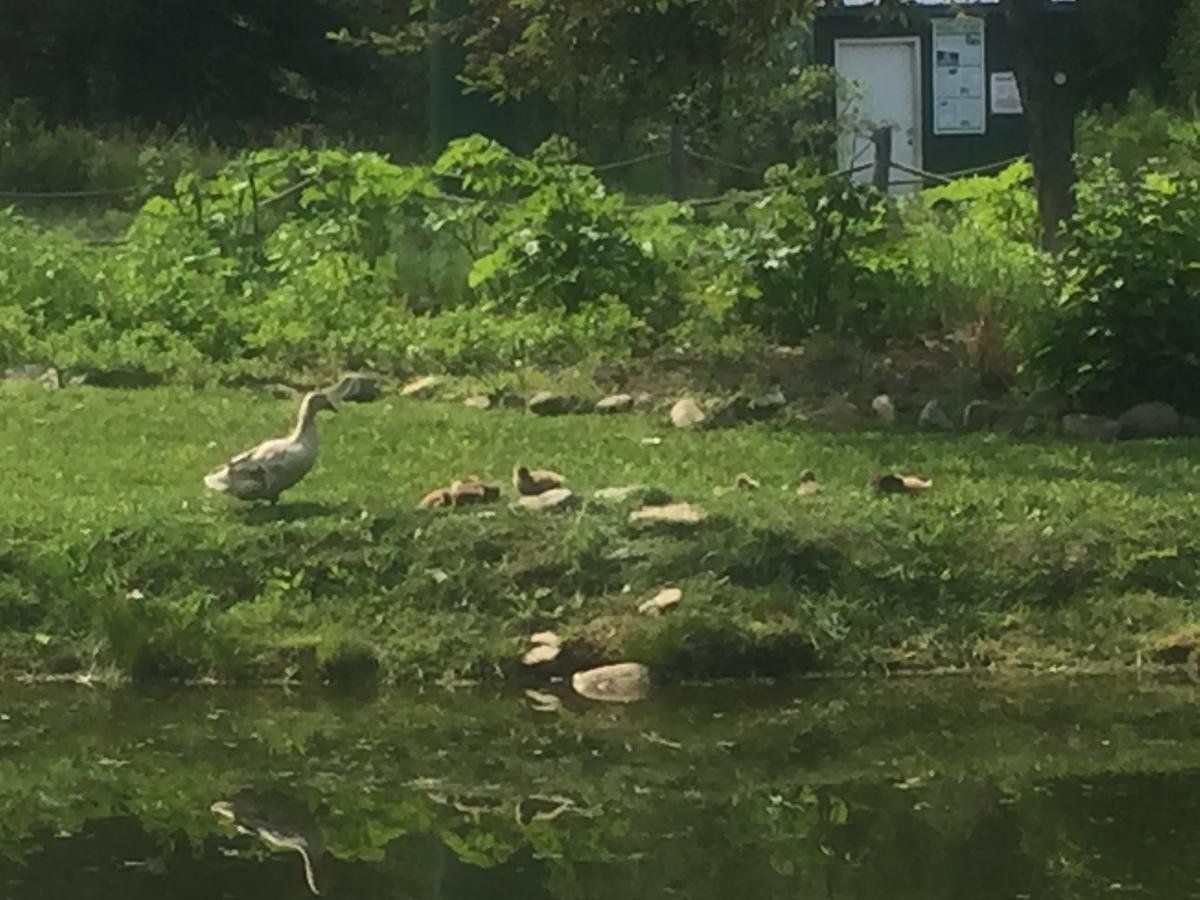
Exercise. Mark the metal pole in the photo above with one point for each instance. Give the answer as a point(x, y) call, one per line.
point(883, 157)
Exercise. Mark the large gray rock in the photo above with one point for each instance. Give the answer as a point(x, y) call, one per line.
point(548, 403)
point(422, 388)
point(555, 499)
point(884, 409)
point(687, 413)
point(668, 514)
point(357, 387)
point(46, 376)
point(1149, 420)
point(838, 414)
point(615, 403)
point(934, 418)
point(1082, 426)
point(979, 414)
point(619, 683)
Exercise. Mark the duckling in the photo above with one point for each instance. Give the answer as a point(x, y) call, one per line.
point(472, 490)
point(538, 481)
point(266, 471)
point(808, 482)
point(436, 498)
point(744, 482)
point(892, 483)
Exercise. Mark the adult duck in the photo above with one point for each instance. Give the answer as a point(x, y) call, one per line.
point(266, 471)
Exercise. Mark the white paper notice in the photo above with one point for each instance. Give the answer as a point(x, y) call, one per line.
point(960, 101)
point(1006, 97)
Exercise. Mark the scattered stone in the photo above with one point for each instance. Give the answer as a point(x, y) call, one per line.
point(1149, 420)
point(1082, 426)
point(540, 654)
point(893, 483)
point(767, 405)
point(1047, 403)
point(615, 403)
point(934, 418)
point(541, 701)
point(661, 602)
point(478, 401)
point(422, 388)
point(558, 498)
point(668, 514)
point(357, 387)
point(978, 415)
point(621, 494)
point(838, 414)
point(730, 411)
point(548, 403)
point(883, 409)
point(620, 683)
point(46, 376)
point(687, 413)
point(118, 378)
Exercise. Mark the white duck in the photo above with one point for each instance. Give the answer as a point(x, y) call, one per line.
point(266, 471)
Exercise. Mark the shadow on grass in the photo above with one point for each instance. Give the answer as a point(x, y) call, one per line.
point(287, 512)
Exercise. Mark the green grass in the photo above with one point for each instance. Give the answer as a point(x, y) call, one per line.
point(114, 558)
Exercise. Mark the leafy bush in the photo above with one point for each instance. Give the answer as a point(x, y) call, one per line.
point(1125, 325)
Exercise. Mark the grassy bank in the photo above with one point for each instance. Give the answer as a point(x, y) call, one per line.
point(116, 560)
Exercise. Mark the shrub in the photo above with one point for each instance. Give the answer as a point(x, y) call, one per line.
point(1125, 325)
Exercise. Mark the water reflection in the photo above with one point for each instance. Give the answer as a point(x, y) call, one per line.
point(280, 821)
point(856, 791)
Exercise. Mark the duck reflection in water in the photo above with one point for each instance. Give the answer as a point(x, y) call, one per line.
point(279, 821)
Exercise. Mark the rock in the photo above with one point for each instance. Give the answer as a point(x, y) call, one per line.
point(668, 514)
point(730, 411)
point(118, 378)
point(661, 602)
point(978, 415)
point(422, 388)
point(687, 413)
point(1149, 420)
point(621, 494)
point(934, 418)
point(541, 701)
point(1082, 426)
point(883, 409)
point(620, 683)
point(838, 414)
point(1047, 403)
point(357, 387)
point(615, 403)
point(46, 376)
point(558, 498)
point(764, 406)
point(478, 401)
point(548, 403)
point(540, 654)
point(1017, 422)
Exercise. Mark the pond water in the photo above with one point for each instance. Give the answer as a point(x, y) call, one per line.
point(922, 788)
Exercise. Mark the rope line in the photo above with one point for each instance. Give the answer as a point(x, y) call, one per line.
point(67, 195)
point(632, 161)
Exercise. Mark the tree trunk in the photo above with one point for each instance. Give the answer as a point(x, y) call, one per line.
point(1047, 90)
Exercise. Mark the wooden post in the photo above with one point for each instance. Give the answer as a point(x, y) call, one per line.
point(883, 158)
point(677, 159)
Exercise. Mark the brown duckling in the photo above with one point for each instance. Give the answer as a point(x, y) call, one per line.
point(893, 483)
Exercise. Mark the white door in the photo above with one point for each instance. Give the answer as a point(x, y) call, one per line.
point(887, 91)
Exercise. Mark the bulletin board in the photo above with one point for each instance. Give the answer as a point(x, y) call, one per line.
point(959, 86)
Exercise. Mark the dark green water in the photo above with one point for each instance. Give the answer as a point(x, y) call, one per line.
point(867, 790)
